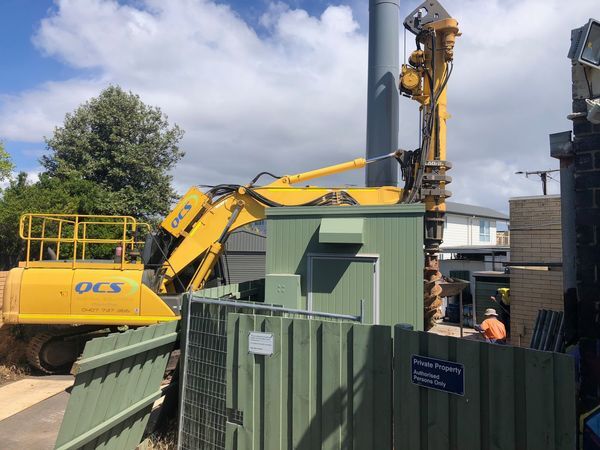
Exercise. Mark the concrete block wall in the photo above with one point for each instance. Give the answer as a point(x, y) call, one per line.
point(535, 237)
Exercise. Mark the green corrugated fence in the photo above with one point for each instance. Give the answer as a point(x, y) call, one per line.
point(117, 380)
point(249, 290)
point(326, 385)
point(514, 398)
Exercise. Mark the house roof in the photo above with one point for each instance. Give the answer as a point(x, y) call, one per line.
point(472, 210)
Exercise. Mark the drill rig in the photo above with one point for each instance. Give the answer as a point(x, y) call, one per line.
point(71, 296)
point(425, 79)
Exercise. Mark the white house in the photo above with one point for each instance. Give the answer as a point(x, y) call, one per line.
point(475, 240)
point(468, 225)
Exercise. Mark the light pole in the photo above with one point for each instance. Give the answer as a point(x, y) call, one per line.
point(543, 176)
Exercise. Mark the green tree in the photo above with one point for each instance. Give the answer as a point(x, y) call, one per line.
point(45, 196)
point(122, 145)
point(6, 165)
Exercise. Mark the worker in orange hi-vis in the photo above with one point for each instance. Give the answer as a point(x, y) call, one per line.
point(491, 328)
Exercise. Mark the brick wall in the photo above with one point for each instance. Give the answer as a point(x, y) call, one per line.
point(585, 304)
point(535, 237)
point(586, 145)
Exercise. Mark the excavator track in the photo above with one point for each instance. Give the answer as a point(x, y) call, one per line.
point(53, 350)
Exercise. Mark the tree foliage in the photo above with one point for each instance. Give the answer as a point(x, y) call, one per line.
point(45, 196)
point(6, 165)
point(122, 145)
point(112, 155)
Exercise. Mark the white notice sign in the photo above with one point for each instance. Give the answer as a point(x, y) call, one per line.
point(260, 343)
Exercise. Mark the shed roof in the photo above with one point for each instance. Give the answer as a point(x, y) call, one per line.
point(472, 210)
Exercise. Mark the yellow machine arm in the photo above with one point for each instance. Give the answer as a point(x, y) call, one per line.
point(201, 222)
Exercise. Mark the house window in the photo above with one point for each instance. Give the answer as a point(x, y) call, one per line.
point(484, 230)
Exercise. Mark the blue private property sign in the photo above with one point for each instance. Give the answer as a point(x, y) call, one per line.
point(438, 374)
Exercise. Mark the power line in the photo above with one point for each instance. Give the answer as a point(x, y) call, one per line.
point(543, 174)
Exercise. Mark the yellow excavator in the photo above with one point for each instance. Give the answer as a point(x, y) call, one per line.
point(70, 294)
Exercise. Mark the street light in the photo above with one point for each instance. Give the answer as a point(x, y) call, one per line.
point(543, 176)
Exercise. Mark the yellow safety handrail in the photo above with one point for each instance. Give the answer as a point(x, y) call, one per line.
point(78, 231)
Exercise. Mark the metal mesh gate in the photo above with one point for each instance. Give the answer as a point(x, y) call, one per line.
point(203, 414)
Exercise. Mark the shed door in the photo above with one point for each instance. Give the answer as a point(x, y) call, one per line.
point(338, 284)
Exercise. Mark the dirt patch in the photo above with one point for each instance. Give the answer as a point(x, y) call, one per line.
point(13, 362)
point(159, 444)
point(10, 373)
point(163, 441)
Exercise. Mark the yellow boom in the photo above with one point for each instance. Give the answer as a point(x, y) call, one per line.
point(214, 219)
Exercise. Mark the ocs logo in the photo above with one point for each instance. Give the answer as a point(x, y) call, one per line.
point(118, 285)
point(193, 200)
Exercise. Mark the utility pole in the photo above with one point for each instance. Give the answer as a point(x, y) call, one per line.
point(543, 176)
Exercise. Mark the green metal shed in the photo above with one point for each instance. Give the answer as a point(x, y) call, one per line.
point(330, 258)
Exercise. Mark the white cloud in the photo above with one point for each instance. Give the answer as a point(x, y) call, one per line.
point(294, 97)
point(33, 176)
point(34, 113)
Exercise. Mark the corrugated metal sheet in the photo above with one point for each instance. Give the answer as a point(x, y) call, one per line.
point(117, 380)
point(394, 233)
point(327, 385)
point(244, 266)
point(249, 290)
point(514, 399)
point(246, 241)
point(548, 331)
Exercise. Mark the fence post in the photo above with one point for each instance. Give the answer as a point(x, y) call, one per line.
point(183, 332)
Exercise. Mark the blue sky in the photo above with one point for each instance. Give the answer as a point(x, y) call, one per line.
point(23, 65)
point(281, 86)
point(26, 66)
